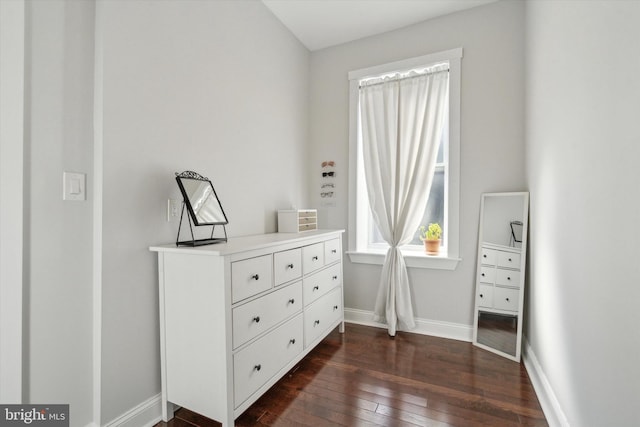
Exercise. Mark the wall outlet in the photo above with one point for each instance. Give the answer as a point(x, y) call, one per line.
point(173, 209)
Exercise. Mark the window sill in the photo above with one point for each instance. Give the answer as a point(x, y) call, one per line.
point(412, 259)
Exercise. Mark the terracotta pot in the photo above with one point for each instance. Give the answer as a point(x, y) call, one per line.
point(432, 247)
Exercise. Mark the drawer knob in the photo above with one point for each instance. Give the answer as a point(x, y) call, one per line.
point(507, 299)
point(482, 274)
point(257, 367)
point(292, 341)
point(292, 301)
point(256, 319)
point(509, 259)
point(335, 307)
point(508, 278)
point(333, 251)
point(255, 277)
point(481, 296)
point(315, 288)
point(317, 322)
point(484, 256)
point(315, 258)
point(290, 266)
point(335, 277)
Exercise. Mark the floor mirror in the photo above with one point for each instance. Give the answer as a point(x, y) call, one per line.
point(500, 277)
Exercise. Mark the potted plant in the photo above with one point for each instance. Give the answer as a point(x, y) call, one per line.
point(431, 238)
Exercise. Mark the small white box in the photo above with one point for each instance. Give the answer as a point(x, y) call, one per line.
point(297, 220)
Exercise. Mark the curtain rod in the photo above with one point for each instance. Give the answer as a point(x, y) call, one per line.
point(361, 85)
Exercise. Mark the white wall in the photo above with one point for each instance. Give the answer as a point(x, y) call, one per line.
point(492, 137)
point(11, 197)
point(58, 243)
point(583, 146)
point(219, 87)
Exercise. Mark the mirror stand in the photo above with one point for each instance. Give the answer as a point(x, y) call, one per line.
point(203, 208)
point(198, 242)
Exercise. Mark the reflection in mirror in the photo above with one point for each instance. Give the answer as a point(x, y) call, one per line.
point(500, 278)
point(203, 201)
point(203, 207)
point(498, 331)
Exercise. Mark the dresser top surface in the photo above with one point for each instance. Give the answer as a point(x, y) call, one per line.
point(246, 243)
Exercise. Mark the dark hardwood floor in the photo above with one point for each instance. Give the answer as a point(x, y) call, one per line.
point(366, 378)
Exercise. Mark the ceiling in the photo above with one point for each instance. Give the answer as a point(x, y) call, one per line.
point(323, 23)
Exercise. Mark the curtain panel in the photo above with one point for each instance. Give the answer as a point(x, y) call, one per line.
point(401, 124)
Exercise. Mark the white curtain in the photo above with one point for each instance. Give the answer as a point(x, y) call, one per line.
point(401, 120)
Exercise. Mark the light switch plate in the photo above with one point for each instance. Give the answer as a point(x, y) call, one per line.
point(173, 209)
point(74, 186)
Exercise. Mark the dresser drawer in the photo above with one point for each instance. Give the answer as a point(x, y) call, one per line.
point(485, 296)
point(312, 257)
point(508, 278)
point(331, 251)
point(487, 274)
point(506, 299)
point(255, 317)
point(321, 315)
point(487, 256)
point(250, 277)
point(509, 260)
point(287, 266)
point(318, 284)
point(254, 365)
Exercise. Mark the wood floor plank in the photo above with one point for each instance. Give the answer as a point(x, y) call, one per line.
point(366, 378)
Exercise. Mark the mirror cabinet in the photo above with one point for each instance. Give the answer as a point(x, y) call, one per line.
point(500, 277)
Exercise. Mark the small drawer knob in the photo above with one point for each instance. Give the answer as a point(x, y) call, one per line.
point(507, 299)
point(509, 259)
point(256, 319)
point(481, 296)
point(257, 367)
point(484, 256)
point(508, 278)
point(292, 341)
point(255, 277)
point(315, 288)
point(317, 322)
point(333, 251)
point(315, 258)
point(292, 301)
point(335, 307)
point(290, 266)
point(335, 277)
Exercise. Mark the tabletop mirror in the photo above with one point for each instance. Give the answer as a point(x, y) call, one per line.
point(203, 207)
point(502, 254)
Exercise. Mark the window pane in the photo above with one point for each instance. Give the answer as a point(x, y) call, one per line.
point(435, 206)
point(434, 211)
point(440, 156)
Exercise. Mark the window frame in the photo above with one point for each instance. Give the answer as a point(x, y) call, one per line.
point(358, 215)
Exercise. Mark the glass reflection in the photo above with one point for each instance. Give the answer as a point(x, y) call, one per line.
point(204, 202)
point(498, 331)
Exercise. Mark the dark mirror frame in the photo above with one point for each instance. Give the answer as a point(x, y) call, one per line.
point(192, 217)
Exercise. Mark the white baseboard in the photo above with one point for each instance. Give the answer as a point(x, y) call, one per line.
point(436, 328)
point(146, 414)
point(548, 400)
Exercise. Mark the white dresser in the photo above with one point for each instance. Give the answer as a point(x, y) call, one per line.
point(499, 287)
point(235, 317)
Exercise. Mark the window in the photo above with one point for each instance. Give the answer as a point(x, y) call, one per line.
point(365, 242)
